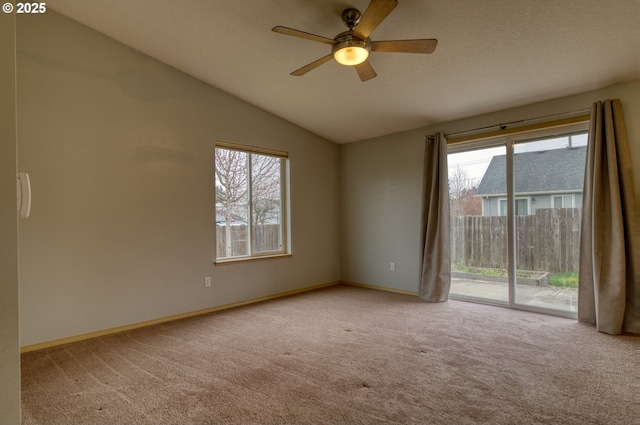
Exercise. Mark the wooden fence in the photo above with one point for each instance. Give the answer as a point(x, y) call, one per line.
point(266, 238)
point(547, 241)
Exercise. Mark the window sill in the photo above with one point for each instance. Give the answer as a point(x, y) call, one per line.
point(250, 259)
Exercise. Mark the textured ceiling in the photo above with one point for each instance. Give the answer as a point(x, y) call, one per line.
point(491, 55)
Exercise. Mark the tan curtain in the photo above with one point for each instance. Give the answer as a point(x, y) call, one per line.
point(436, 256)
point(608, 292)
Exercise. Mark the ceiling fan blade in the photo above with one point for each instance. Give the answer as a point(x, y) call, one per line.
point(373, 16)
point(313, 65)
point(405, 46)
point(302, 34)
point(365, 71)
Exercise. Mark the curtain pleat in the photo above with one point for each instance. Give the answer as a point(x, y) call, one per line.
point(607, 294)
point(435, 278)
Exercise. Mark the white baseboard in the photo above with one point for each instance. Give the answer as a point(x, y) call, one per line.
point(380, 288)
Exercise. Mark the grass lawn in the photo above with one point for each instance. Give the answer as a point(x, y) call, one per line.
point(566, 280)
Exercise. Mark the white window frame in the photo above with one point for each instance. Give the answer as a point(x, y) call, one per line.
point(285, 229)
point(562, 198)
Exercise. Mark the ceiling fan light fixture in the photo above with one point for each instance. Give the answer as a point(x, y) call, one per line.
point(352, 47)
point(351, 52)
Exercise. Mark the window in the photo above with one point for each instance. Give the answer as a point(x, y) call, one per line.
point(503, 207)
point(522, 206)
point(563, 201)
point(250, 202)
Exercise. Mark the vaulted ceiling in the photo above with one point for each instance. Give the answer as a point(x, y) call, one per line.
point(491, 55)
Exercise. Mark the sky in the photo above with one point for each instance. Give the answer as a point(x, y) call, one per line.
point(475, 162)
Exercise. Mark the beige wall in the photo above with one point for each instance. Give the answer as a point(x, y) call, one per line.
point(9, 335)
point(382, 184)
point(120, 151)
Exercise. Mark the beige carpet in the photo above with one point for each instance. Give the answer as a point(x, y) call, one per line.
point(339, 355)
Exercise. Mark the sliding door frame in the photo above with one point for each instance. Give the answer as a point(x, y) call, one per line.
point(509, 141)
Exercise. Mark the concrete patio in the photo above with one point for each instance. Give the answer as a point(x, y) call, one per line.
point(557, 298)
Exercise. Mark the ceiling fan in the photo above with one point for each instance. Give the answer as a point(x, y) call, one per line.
point(353, 46)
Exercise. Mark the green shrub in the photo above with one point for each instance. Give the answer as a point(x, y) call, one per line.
point(564, 280)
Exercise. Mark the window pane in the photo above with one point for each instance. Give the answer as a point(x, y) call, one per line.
point(521, 207)
point(557, 202)
point(266, 198)
point(477, 186)
point(547, 242)
point(567, 201)
point(232, 202)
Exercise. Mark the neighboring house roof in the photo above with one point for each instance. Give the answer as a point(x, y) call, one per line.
point(554, 170)
point(235, 218)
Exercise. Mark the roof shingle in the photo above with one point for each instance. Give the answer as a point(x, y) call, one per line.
point(544, 171)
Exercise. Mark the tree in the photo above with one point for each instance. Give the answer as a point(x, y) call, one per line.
point(265, 189)
point(231, 188)
point(462, 194)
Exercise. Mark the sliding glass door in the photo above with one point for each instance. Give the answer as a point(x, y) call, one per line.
point(515, 219)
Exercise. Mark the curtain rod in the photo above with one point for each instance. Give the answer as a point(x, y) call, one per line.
point(503, 126)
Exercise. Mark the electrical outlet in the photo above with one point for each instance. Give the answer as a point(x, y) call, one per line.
point(392, 267)
point(207, 281)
